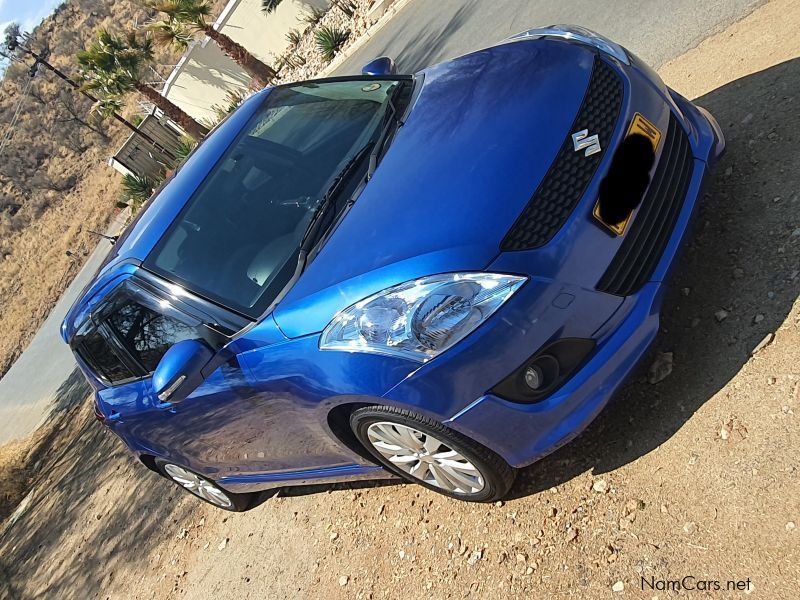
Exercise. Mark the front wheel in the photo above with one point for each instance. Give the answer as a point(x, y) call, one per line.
point(424, 451)
point(203, 488)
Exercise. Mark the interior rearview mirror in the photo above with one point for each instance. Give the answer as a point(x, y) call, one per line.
point(179, 371)
point(380, 66)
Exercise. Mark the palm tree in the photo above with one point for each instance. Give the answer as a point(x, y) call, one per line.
point(114, 66)
point(185, 18)
point(267, 6)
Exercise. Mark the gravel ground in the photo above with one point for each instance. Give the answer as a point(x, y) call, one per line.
point(695, 476)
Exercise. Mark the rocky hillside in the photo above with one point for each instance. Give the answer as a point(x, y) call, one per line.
point(54, 183)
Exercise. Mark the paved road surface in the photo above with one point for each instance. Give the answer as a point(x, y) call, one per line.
point(426, 32)
point(422, 33)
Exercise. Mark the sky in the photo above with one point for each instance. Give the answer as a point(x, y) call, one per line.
point(28, 13)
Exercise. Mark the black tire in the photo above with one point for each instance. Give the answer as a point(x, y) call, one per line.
point(496, 473)
point(237, 502)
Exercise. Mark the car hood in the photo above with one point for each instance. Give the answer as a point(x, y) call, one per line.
point(480, 136)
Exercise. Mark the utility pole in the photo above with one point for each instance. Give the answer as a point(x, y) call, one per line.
point(42, 60)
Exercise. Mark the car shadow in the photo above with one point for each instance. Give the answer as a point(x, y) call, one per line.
point(741, 258)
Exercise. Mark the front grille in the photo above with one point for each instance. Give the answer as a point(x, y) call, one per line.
point(652, 227)
point(569, 175)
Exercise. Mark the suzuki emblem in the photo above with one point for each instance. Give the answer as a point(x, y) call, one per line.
point(582, 139)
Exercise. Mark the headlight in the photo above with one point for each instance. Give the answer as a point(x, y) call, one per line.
point(419, 319)
point(579, 34)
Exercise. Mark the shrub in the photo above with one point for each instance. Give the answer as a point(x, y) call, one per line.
point(136, 191)
point(348, 7)
point(330, 40)
point(293, 37)
point(185, 147)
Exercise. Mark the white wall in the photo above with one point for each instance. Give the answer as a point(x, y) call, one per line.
point(205, 74)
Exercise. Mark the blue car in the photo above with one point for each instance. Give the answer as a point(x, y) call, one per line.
point(440, 277)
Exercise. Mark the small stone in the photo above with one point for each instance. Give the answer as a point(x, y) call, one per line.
point(764, 343)
point(529, 570)
point(686, 291)
point(796, 232)
point(721, 315)
point(693, 458)
point(747, 118)
point(343, 580)
point(664, 509)
point(521, 558)
point(499, 503)
point(618, 587)
point(758, 318)
point(772, 380)
point(724, 434)
point(611, 558)
point(728, 171)
point(689, 527)
point(475, 557)
point(402, 554)
point(223, 544)
point(790, 526)
point(571, 535)
point(333, 536)
point(696, 321)
point(600, 486)
point(661, 368)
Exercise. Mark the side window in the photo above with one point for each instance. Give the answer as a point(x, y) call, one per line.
point(146, 334)
point(96, 352)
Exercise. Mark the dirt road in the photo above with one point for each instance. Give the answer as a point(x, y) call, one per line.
point(694, 479)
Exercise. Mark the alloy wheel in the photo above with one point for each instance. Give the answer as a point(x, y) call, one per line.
point(425, 458)
point(198, 486)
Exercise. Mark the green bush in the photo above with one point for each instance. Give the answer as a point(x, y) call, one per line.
point(330, 40)
point(136, 191)
point(185, 147)
point(293, 37)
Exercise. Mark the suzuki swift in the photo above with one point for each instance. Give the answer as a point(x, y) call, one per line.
point(442, 277)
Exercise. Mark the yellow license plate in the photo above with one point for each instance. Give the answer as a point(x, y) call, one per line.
point(643, 127)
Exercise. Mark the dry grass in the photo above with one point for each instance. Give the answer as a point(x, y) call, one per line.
point(33, 278)
point(14, 476)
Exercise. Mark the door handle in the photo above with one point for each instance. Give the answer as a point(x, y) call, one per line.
point(166, 406)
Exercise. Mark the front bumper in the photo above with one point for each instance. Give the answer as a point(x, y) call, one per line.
point(522, 433)
point(560, 302)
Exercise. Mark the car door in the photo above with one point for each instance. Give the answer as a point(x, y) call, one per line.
point(225, 426)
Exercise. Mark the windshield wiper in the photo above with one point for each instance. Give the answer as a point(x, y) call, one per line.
point(374, 146)
point(390, 121)
point(326, 203)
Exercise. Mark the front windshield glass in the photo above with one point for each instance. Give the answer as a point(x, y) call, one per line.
point(237, 240)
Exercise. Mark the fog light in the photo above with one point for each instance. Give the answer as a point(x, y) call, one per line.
point(533, 377)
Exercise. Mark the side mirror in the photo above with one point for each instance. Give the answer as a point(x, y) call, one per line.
point(380, 66)
point(179, 371)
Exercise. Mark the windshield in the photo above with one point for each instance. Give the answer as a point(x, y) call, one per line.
point(237, 240)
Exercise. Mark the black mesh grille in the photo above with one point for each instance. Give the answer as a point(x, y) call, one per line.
point(652, 227)
point(570, 174)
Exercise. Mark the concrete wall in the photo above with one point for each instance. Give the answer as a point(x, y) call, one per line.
point(205, 74)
